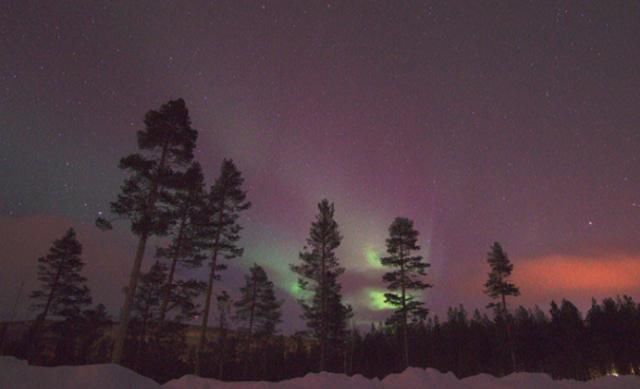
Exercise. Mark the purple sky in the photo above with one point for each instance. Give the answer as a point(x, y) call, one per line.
point(481, 121)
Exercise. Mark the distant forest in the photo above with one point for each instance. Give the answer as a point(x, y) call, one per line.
point(164, 195)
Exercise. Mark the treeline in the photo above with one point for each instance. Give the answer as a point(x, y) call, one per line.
point(164, 196)
point(561, 342)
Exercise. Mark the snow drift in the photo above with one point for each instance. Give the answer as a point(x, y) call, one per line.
point(413, 378)
point(16, 374)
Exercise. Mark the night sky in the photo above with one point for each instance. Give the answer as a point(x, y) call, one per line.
point(514, 122)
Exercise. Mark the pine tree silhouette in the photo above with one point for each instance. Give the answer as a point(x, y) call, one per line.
point(166, 145)
point(406, 277)
point(226, 200)
point(257, 310)
point(187, 247)
point(324, 312)
point(63, 291)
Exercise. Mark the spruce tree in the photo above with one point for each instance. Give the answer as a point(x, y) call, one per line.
point(404, 278)
point(498, 286)
point(226, 200)
point(63, 291)
point(257, 309)
point(318, 274)
point(186, 248)
point(166, 145)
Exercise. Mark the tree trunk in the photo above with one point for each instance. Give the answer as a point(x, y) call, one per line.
point(250, 334)
point(405, 337)
point(510, 340)
point(141, 342)
point(205, 317)
point(121, 334)
point(504, 305)
point(323, 310)
point(34, 332)
point(223, 339)
point(214, 261)
point(166, 295)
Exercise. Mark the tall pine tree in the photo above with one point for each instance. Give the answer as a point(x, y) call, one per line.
point(186, 249)
point(499, 287)
point(318, 274)
point(63, 291)
point(166, 145)
point(226, 200)
point(404, 278)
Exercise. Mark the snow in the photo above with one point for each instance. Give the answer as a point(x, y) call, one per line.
point(16, 374)
point(412, 378)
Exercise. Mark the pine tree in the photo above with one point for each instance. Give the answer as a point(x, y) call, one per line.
point(63, 291)
point(257, 310)
point(318, 273)
point(226, 200)
point(188, 243)
point(405, 278)
point(166, 145)
point(498, 287)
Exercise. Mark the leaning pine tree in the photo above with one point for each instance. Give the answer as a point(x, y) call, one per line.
point(226, 200)
point(63, 291)
point(324, 312)
point(166, 145)
point(405, 278)
point(498, 287)
point(188, 240)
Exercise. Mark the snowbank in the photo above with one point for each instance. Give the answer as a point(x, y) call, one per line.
point(310, 381)
point(16, 374)
point(412, 378)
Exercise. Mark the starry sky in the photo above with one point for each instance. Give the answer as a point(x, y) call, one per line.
point(482, 121)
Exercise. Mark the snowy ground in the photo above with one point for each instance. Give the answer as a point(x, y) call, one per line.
point(15, 374)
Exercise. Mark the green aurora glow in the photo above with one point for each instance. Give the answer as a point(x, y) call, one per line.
point(376, 300)
point(373, 258)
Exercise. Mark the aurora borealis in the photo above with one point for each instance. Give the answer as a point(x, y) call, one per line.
point(481, 122)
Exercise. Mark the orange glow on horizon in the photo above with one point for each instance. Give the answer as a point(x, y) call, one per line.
point(617, 274)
